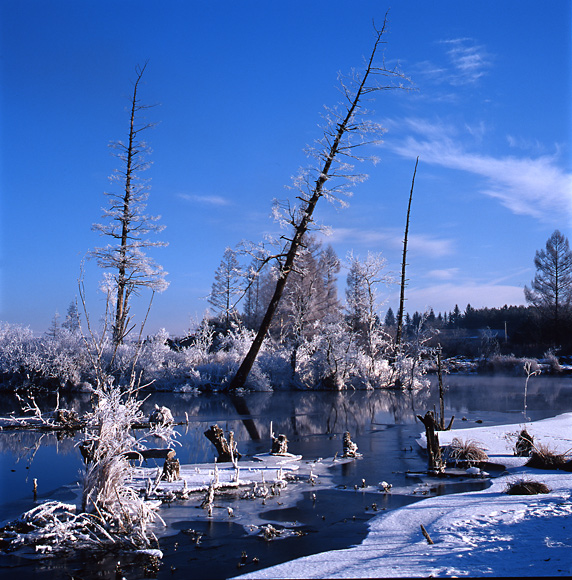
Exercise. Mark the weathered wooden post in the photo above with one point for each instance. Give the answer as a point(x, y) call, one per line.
point(434, 459)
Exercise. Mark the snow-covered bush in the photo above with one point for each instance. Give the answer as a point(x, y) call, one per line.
point(28, 359)
point(17, 345)
point(64, 358)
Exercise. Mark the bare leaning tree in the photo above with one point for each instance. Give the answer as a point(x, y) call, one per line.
point(129, 269)
point(345, 130)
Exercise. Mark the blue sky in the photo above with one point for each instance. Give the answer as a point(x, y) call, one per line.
point(240, 88)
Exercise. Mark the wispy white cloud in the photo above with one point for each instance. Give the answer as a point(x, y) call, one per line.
point(426, 67)
point(446, 274)
point(532, 145)
point(513, 274)
point(464, 63)
point(423, 244)
point(534, 186)
point(420, 244)
point(469, 60)
point(214, 200)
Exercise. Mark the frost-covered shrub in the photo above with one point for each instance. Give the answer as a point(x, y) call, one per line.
point(16, 346)
point(328, 359)
point(159, 363)
point(335, 359)
point(332, 356)
point(28, 359)
point(106, 491)
point(552, 361)
point(199, 351)
point(63, 358)
point(410, 371)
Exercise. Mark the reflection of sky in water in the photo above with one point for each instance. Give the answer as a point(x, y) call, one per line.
point(54, 463)
point(382, 423)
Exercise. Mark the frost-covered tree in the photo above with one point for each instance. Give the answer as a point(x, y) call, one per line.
point(227, 287)
point(551, 290)
point(127, 225)
point(330, 267)
point(258, 283)
point(362, 304)
point(362, 299)
point(309, 296)
point(345, 130)
point(71, 323)
point(55, 327)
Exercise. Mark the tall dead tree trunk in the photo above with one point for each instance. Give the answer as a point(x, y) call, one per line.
point(121, 306)
point(128, 225)
point(441, 392)
point(334, 147)
point(398, 334)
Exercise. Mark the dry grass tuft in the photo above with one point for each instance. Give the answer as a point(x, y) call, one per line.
point(468, 450)
point(545, 458)
point(526, 487)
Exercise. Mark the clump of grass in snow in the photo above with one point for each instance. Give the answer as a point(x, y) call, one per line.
point(545, 458)
point(526, 487)
point(466, 450)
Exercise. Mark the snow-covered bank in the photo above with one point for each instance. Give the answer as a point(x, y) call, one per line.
point(484, 533)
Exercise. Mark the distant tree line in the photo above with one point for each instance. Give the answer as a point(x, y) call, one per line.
point(514, 328)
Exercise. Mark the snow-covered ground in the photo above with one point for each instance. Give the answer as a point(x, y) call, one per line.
point(483, 533)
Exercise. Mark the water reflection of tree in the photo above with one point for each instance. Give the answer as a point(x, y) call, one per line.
point(78, 402)
point(299, 414)
point(25, 444)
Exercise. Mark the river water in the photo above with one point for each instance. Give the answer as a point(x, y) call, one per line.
point(326, 516)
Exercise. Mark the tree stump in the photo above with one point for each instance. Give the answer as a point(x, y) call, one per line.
point(350, 448)
point(434, 459)
point(67, 419)
point(227, 450)
point(279, 445)
point(171, 468)
point(161, 417)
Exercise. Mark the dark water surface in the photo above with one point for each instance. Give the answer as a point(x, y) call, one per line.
point(382, 423)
